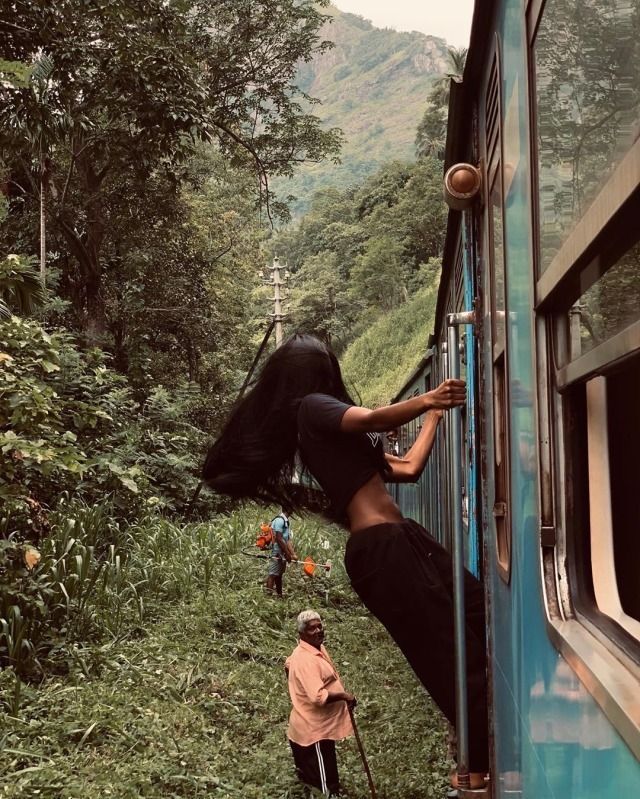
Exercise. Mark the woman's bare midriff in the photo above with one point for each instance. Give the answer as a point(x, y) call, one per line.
point(372, 504)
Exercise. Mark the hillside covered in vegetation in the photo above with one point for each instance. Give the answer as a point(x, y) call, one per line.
point(378, 363)
point(373, 84)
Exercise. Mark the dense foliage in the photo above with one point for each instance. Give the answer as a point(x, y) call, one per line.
point(20, 286)
point(100, 141)
point(72, 425)
point(378, 363)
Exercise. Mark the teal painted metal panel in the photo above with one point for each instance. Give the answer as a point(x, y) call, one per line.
point(552, 739)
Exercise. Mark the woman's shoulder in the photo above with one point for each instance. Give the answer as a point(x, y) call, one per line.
point(309, 406)
point(319, 403)
point(317, 398)
point(321, 411)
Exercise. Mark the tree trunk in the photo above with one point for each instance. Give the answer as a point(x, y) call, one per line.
point(86, 249)
point(95, 321)
point(193, 361)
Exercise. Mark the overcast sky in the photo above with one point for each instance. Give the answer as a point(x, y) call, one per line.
point(450, 19)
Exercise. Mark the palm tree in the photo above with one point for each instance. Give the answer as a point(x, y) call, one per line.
point(439, 94)
point(432, 131)
point(431, 134)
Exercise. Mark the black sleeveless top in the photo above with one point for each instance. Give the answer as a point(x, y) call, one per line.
point(340, 462)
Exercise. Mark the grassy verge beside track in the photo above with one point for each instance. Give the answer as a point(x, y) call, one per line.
point(190, 700)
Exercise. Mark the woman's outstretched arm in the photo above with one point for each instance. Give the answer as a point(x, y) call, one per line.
point(408, 468)
point(449, 394)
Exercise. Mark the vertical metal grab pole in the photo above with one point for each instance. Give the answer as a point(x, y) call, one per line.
point(455, 423)
point(446, 498)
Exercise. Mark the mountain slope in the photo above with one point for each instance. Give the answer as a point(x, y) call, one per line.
point(373, 85)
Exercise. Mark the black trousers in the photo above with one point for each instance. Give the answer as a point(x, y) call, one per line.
point(317, 765)
point(404, 577)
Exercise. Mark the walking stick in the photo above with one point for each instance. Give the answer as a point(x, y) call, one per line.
point(367, 771)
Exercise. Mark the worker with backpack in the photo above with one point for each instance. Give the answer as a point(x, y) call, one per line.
point(282, 552)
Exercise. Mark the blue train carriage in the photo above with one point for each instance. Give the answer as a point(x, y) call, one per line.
point(544, 251)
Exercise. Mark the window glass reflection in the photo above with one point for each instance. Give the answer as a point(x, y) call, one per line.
point(610, 305)
point(587, 56)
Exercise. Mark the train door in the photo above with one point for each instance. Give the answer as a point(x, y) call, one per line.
point(458, 327)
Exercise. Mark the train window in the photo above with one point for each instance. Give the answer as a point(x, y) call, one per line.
point(585, 66)
point(604, 545)
point(603, 379)
point(596, 335)
point(595, 330)
point(587, 61)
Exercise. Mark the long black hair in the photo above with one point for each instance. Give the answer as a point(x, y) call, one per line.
point(255, 455)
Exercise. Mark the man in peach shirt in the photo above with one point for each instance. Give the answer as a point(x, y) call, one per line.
point(320, 714)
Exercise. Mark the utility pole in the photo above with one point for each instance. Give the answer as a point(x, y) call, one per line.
point(277, 314)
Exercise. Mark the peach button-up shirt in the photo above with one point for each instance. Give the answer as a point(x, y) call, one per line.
point(311, 676)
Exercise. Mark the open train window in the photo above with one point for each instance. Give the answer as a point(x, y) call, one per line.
point(612, 301)
point(613, 435)
point(495, 210)
point(597, 360)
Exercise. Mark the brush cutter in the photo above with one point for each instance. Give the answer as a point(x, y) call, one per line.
point(309, 566)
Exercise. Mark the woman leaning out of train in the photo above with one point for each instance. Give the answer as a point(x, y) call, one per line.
point(299, 411)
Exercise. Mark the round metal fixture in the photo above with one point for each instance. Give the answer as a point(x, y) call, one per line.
point(461, 185)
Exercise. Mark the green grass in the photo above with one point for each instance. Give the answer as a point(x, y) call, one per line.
point(191, 700)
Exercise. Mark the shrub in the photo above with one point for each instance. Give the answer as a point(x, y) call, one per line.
point(93, 577)
point(50, 597)
point(56, 405)
point(70, 425)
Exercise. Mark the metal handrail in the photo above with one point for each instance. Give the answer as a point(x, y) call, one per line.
point(454, 320)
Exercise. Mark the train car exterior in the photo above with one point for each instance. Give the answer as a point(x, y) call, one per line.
point(546, 258)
